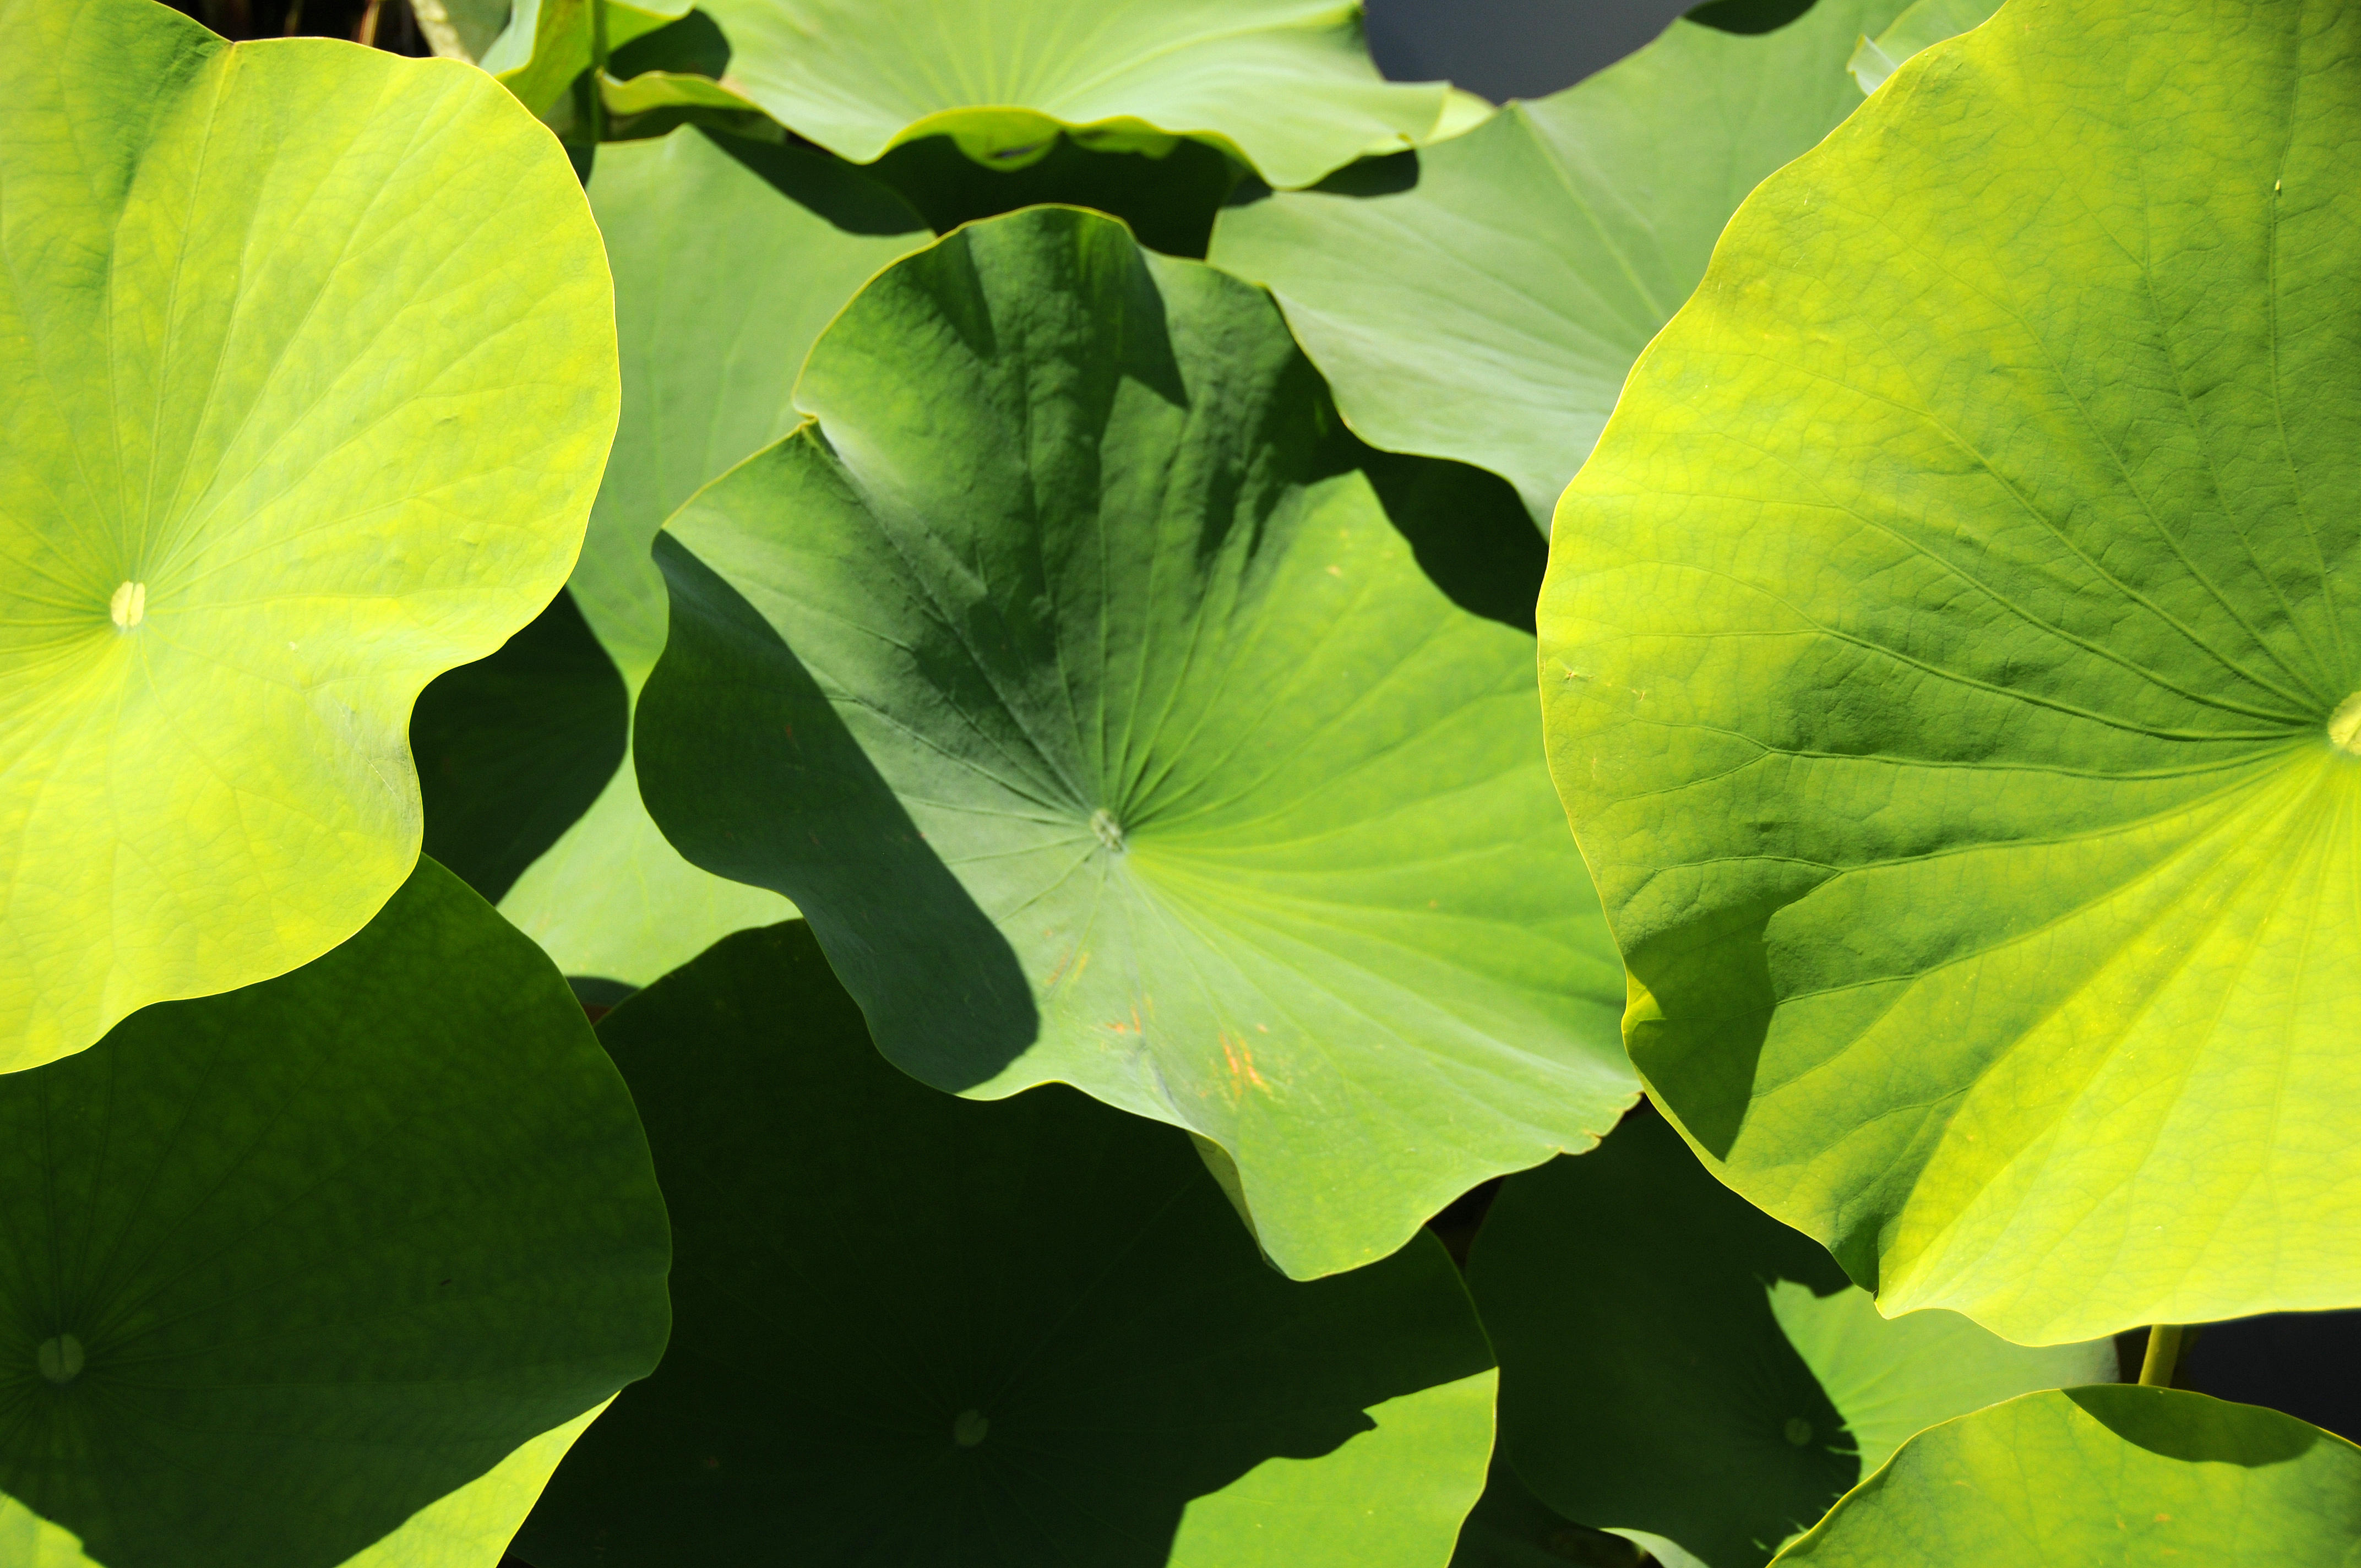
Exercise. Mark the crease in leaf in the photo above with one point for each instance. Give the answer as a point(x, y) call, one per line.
point(1925, 25)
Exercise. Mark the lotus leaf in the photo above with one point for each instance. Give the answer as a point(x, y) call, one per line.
point(1108, 709)
point(281, 1267)
point(917, 1329)
point(2107, 1477)
point(1950, 657)
point(548, 43)
point(1285, 85)
point(291, 430)
point(1483, 300)
point(1677, 1364)
point(1925, 25)
point(726, 268)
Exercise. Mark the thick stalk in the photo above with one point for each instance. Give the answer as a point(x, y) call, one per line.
point(597, 71)
point(2163, 1356)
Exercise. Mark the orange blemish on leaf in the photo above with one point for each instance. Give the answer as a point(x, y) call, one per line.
point(1240, 1056)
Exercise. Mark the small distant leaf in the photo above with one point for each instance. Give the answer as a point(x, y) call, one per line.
point(916, 1330)
point(1677, 1364)
point(1950, 657)
point(1118, 719)
point(1482, 300)
point(2107, 1477)
point(726, 268)
point(1926, 23)
point(282, 1268)
point(291, 427)
point(1284, 84)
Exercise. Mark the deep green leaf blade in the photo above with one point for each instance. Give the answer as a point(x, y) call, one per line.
point(916, 1329)
point(1118, 719)
point(2111, 1477)
point(282, 1268)
point(1482, 300)
point(1285, 84)
point(1676, 1363)
point(1944, 659)
point(291, 428)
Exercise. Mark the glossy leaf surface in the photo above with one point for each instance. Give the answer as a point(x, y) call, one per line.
point(1109, 711)
point(2111, 1477)
point(1482, 300)
point(726, 268)
point(281, 1267)
point(915, 1328)
point(1675, 1362)
point(291, 430)
point(1285, 84)
point(1950, 657)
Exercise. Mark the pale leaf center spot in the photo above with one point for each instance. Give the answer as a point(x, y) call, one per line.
point(1798, 1430)
point(970, 1428)
point(2344, 725)
point(129, 605)
point(59, 1359)
point(1109, 830)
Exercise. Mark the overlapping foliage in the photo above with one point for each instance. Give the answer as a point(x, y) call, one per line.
point(1035, 763)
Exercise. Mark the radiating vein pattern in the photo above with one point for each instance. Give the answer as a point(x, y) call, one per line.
point(1075, 678)
point(1945, 654)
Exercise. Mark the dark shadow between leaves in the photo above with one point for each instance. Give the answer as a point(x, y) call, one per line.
point(2194, 1428)
point(912, 1328)
point(512, 748)
point(850, 198)
point(790, 802)
point(1749, 17)
point(1470, 533)
point(1170, 202)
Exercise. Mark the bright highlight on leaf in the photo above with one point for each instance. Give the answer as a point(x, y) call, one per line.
point(1483, 300)
point(1108, 710)
point(1285, 85)
point(1945, 655)
point(1926, 23)
point(291, 428)
point(327, 1270)
point(2107, 1477)
point(916, 1330)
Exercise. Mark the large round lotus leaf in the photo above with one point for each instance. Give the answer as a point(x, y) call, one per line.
point(290, 430)
point(1675, 1362)
point(1286, 86)
point(1483, 300)
point(279, 1268)
point(726, 268)
point(1092, 692)
point(2107, 1477)
point(1950, 657)
point(917, 1329)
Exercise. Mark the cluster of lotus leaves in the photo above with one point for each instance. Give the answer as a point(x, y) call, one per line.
point(1952, 659)
point(255, 492)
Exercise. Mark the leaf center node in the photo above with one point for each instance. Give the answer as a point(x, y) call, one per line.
point(970, 1427)
point(130, 606)
point(59, 1359)
point(2344, 725)
point(1798, 1430)
point(1109, 830)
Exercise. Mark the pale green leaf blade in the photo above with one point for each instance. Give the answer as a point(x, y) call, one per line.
point(1023, 1334)
point(328, 1264)
point(1677, 1366)
point(1286, 84)
point(1943, 654)
point(1482, 300)
point(1118, 719)
point(726, 268)
point(2105, 1477)
point(292, 428)
point(1922, 27)
point(546, 43)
